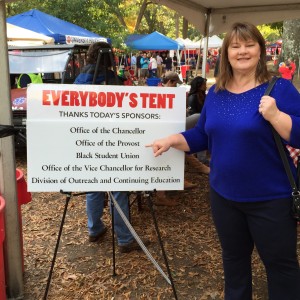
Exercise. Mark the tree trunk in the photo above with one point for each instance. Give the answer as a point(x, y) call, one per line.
point(185, 25)
point(140, 16)
point(291, 40)
point(177, 25)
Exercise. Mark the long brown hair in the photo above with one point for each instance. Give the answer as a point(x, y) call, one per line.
point(242, 31)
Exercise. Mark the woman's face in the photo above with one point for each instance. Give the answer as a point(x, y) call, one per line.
point(243, 56)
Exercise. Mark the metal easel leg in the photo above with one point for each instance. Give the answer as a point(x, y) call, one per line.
point(68, 197)
point(150, 203)
point(113, 234)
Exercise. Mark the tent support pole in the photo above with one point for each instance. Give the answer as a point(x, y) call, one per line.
point(12, 245)
point(205, 49)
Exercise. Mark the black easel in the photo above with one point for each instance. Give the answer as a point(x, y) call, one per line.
point(112, 63)
point(112, 203)
point(150, 204)
point(149, 196)
point(68, 197)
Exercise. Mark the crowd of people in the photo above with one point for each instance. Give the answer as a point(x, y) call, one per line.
point(151, 64)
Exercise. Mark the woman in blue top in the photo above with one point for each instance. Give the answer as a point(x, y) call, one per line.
point(250, 192)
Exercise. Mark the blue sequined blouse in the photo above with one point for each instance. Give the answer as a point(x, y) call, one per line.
point(245, 163)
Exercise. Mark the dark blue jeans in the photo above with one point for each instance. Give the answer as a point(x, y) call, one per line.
point(267, 225)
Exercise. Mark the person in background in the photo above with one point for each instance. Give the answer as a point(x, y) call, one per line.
point(127, 62)
point(196, 95)
point(293, 67)
point(13, 80)
point(168, 62)
point(144, 66)
point(193, 62)
point(175, 63)
point(138, 65)
point(95, 200)
point(171, 79)
point(133, 64)
point(195, 103)
point(153, 64)
point(250, 194)
point(217, 65)
point(285, 70)
point(159, 62)
point(25, 79)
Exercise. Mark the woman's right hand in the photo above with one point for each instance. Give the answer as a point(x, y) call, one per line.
point(160, 146)
point(176, 141)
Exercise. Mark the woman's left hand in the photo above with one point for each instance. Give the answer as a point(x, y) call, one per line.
point(268, 108)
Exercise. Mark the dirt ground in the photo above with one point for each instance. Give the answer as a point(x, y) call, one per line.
point(84, 271)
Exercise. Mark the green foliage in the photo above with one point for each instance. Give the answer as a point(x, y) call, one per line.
point(277, 26)
point(291, 40)
point(117, 18)
point(110, 18)
point(270, 33)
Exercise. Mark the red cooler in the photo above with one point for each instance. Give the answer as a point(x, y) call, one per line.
point(23, 198)
point(184, 68)
point(2, 237)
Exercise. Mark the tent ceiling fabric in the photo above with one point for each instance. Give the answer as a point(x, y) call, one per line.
point(222, 14)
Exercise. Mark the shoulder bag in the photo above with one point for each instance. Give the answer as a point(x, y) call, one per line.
point(283, 154)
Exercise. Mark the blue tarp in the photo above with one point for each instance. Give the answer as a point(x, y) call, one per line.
point(62, 31)
point(155, 41)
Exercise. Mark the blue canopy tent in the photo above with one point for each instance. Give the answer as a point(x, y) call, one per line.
point(133, 37)
point(62, 31)
point(154, 41)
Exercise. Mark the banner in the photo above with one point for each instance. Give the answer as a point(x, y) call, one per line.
point(93, 137)
point(72, 39)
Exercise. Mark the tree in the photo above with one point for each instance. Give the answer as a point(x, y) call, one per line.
point(111, 18)
point(270, 33)
point(291, 40)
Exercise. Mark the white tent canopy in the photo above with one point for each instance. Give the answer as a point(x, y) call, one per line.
point(18, 36)
point(215, 16)
point(193, 45)
point(213, 42)
point(188, 44)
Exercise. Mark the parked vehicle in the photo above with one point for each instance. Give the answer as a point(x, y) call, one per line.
point(56, 64)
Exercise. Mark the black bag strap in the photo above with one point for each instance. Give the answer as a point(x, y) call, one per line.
point(283, 154)
point(270, 86)
point(279, 143)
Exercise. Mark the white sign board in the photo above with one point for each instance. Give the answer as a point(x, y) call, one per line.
point(92, 138)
